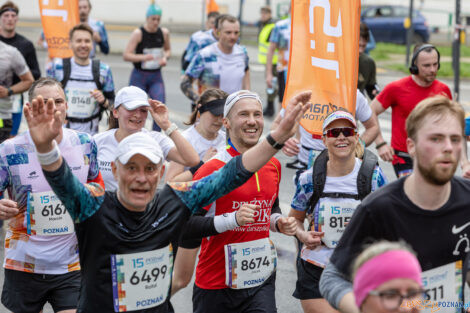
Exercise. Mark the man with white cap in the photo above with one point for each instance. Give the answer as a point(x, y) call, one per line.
point(124, 237)
point(41, 258)
point(129, 115)
point(217, 288)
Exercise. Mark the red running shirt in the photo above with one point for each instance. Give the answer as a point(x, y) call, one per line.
point(262, 189)
point(402, 96)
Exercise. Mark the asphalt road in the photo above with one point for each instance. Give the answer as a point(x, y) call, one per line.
point(180, 109)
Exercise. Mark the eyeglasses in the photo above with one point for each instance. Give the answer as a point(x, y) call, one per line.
point(334, 132)
point(392, 299)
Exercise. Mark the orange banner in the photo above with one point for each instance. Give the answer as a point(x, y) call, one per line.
point(58, 17)
point(324, 56)
point(211, 6)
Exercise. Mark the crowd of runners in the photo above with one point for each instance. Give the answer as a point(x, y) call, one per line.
point(92, 226)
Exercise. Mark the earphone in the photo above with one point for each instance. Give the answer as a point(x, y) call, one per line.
point(413, 68)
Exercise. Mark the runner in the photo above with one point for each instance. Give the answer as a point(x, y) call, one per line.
point(8, 19)
point(124, 237)
point(266, 26)
point(241, 289)
point(200, 39)
point(205, 134)
point(222, 65)
point(88, 83)
point(41, 258)
point(149, 50)
point(310, 146)
point(100, 36)
point(367, 81)
point(129, 115)
point(327, 195)
point(427, 209)
point(402, 96)
point(11, 63)
point(280, 40)
point(387, 278)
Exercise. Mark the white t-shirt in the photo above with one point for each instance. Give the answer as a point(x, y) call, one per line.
point(107, 147)
point(201, 144)
point(363, 113)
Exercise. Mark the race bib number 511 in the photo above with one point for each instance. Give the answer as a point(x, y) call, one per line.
point(141, 280)
point(249, 264)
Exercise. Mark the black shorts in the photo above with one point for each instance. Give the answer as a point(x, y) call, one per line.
point(28, 293)
point(403, 168)
point(5, 129)
point(308, 281)
point(259, 299)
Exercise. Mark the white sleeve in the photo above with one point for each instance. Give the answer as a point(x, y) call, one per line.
point(165, 143)
point(363, 110)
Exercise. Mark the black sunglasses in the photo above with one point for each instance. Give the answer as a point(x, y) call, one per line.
point(334, 132)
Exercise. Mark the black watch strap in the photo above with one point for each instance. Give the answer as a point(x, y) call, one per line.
point(10, 91)
point(273, 143)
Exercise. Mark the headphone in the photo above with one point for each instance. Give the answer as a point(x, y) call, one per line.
point(413, 68)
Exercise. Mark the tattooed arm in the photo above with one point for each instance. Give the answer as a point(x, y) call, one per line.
point(187, 88)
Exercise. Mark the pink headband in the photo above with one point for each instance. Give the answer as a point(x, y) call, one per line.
point(382, 268)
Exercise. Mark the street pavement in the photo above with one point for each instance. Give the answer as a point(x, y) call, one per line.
point(180, 109)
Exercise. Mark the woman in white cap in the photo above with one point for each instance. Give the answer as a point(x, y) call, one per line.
point(329, 208)
point(131, 107)
point(387, 279)
point(205, 134)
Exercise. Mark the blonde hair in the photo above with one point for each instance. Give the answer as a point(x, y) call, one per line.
point(438, 105)
point(379, 248)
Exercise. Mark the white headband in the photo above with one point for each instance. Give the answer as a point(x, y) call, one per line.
point(238, 95)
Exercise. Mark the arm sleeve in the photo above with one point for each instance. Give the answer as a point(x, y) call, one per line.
point(81, 201)
point(199, 193)
point(303, 191)
point(334, 285)
point(104, 45)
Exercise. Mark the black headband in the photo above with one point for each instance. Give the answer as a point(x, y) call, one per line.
point(8, 10)
point(212, 105)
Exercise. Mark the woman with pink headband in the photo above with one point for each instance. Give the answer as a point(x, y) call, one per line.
point(387, 278)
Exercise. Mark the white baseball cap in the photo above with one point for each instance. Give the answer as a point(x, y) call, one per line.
point(238, 95)
point(139, 143)
point(131, 98)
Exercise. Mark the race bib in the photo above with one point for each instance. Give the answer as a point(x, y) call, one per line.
point(141, 280)
point(47, 216)
point(154, 64)
point(81, 103)
point(17, 101)
point(333, 218)
point(249, 264)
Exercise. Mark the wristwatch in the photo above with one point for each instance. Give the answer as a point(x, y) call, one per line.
point(276, 145)
point(10, 91)
point(171, 129)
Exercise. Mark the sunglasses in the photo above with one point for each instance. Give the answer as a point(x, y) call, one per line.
point(334, 132)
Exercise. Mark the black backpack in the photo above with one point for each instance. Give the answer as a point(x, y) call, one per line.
point(364, 178)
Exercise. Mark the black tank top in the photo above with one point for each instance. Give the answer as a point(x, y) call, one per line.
point(149, 40)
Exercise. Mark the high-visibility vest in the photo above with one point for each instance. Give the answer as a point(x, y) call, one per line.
point(263, 44)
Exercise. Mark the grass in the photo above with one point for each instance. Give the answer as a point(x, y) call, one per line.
point(383, 51)
point(445, 70)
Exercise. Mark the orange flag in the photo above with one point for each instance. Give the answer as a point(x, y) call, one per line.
point(58, 17)
point(324, 56)
point(211, 6)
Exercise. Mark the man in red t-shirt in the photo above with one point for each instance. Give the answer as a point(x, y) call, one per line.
point(402, 96)
point(236, 269)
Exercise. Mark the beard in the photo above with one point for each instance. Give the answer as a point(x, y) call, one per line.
point(432, 175)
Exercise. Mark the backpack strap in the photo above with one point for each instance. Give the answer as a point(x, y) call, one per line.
point(67, 69)
point(95, 70)
point(364, 177)
point(318, 177)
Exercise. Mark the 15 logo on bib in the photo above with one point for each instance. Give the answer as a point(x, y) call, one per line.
point(249, 264)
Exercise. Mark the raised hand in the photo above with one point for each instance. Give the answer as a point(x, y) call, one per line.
point(295, 109)
point(44, 123)
point(159, 112)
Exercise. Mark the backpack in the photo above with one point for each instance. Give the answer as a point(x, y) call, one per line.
point(364, 178)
